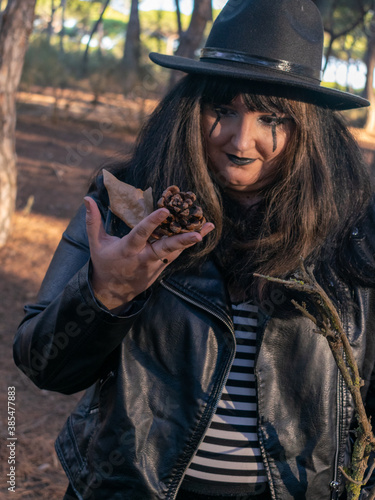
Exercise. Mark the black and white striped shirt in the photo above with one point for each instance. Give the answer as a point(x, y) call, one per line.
point(229, 453)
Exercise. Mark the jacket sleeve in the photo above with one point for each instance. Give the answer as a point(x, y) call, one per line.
point(66, 339)
point(360, 249)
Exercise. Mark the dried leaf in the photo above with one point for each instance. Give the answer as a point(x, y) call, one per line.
point(130, 204)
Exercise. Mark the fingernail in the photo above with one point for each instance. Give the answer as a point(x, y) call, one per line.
point(87, 204)
point(195, 239)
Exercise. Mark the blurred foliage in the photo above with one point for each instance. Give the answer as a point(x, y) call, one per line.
point(354, 42)
point(340, 14)
point(84, 12)
point(47, 65)
point(44, 65)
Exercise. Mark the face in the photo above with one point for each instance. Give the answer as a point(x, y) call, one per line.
point(243, 145)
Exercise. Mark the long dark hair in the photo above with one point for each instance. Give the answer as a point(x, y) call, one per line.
point(320, 191)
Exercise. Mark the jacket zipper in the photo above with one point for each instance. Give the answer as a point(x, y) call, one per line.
point(227, 323)
point(266, 465)
point(334, 483)
point(260, 436)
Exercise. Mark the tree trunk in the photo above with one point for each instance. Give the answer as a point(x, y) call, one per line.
point(369, 87)
point(93, 31)
point(16, 27)
point(178, 14)
point(62, 32)
point(132, 50)
point(191, 39)
point(51, 21)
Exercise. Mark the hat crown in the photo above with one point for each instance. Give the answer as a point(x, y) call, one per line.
point(276, 44)
point(281, 30)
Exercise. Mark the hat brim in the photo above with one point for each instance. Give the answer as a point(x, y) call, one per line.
point(304, 90)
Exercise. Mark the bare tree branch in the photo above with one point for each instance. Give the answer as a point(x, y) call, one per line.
point(93, 31)
point(327, 319)
point(178, 14)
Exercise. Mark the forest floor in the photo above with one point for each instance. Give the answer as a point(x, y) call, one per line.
point(60, 144)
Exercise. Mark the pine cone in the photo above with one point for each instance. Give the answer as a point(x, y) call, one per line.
point(184, 216)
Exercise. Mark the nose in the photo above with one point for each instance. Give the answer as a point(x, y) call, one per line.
point(244, 134)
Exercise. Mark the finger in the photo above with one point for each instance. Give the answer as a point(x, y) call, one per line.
point(171, 247)
point(164, 260)
point(94, 225)
point(185, 240)
point(206, 228)
point(139, 235)
point(180, 242)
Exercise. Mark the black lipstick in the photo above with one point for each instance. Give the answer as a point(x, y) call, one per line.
point(239, 161)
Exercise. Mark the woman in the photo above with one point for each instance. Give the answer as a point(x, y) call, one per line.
point(201, 382)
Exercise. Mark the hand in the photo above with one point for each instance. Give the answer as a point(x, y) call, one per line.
point(122, 268)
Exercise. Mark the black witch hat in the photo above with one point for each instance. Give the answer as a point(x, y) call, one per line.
point(278, 42)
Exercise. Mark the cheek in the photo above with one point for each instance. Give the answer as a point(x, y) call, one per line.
point(213, 130)
point(286, 135)
point(207, 123)
point(213, 140)
point(278, 142)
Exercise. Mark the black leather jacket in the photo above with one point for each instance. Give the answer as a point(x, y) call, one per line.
point(154, 376)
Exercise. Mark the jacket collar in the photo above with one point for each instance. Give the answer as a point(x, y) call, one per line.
point(204, 284)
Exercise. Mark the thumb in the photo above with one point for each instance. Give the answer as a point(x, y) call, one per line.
point(94, 226)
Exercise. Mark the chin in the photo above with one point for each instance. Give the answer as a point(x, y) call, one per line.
point(243, 187)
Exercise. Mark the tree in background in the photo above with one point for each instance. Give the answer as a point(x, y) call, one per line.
point(132, 50)
point(370, 63)
point(50, 27)
point(353, 19)
point(16, 26)
point(341, 18)
point(92, 33)
point(51, 21)
point(62, 31)
point(178, 14)
point(191, 39)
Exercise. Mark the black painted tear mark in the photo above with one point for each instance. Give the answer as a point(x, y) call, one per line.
point(274, 134)
point(215, 124)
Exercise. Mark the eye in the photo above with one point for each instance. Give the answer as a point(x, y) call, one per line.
point(223, 111)
point(274, 120)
